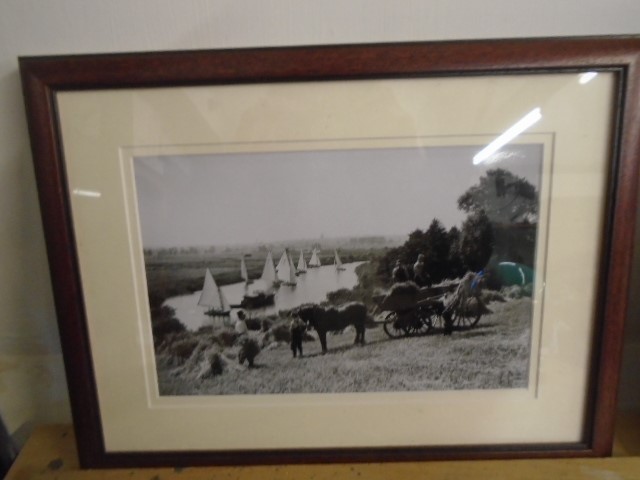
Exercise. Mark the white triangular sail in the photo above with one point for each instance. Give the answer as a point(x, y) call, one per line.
point(302, 265)
point(225, 306)
point(315, 259)
point(211, 295)
point(285, 269)
point(243, 270)
point(337, 262)
point(292, 270)
point(269, 271)
point(282, 269)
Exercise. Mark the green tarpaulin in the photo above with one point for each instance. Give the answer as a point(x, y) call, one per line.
point(511, 273)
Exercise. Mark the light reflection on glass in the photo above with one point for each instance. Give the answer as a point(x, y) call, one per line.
point(512, 132)
point(586, 77)
point(86, 193)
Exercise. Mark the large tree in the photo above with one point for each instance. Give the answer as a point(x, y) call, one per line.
point(434, 243)
point(413, 247)
point(436, 251)
point(456, 265)
point(504, 197)
point(476, 243)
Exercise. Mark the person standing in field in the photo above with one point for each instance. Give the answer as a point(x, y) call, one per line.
point(296, 330)
point(240, 325)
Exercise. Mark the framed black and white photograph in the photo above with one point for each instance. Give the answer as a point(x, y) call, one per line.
point(351, 253)
point(267, 256)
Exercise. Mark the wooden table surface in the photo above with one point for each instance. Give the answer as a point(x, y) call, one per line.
point(50, 454)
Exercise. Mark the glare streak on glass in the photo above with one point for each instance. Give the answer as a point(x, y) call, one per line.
point(86, 193)
point(586, 77)
point(512, 132)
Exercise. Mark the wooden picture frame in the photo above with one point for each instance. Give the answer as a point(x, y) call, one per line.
point(65, 123)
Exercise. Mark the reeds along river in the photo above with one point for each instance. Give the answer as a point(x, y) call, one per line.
point(312, 287)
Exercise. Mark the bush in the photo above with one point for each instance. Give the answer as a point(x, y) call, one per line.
point(281, 333)
point(342, 295)
point(164, 322)
point(253, 324)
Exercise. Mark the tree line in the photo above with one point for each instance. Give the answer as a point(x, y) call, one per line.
point(499, 199)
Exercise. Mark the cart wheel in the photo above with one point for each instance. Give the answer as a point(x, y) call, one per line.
point(437, 322)
point(463, 321)
point(425, 322)
point(392, 326)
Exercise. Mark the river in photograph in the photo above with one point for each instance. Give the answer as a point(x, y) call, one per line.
point(312, 287)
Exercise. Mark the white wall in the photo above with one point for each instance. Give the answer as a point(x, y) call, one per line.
point(32, 382)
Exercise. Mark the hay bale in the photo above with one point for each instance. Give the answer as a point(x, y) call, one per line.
point(473, 308)
point(527, 290)
point(513, 292)
point(489, 296)
point(205, 361)
point(204, 370)
point(183, 348)
point(226, 337)
point(216, 363)
point(249, 350)
point(281, 333)
point(404, 288)
point(402, 296)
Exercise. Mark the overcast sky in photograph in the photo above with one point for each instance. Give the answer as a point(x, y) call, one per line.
point(229, 199)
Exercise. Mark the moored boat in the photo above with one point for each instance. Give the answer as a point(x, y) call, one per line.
point(302, 264)
point(314, 262)
point(243, 272)
point(286, 270)
point(266, 297)
point(213, 298)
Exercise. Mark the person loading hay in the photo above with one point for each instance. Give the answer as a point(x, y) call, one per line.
point(469, 286)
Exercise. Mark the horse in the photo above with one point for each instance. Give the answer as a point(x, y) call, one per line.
point(331, 319)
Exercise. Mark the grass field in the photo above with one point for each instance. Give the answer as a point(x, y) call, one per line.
point(494, 354)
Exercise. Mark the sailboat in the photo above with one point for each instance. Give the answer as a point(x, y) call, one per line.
point(302, 264)
point(314, 262)
point(243, 272)
point(262, 298)
point(337, 262)
point(269, 272)
point(213, 297)
point(285, 270)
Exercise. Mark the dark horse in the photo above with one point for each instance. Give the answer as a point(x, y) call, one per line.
point(333, 319)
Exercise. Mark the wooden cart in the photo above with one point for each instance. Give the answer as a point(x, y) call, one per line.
point(409, 312)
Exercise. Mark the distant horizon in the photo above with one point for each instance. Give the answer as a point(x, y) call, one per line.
point(274, 197)
point(280, 242)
